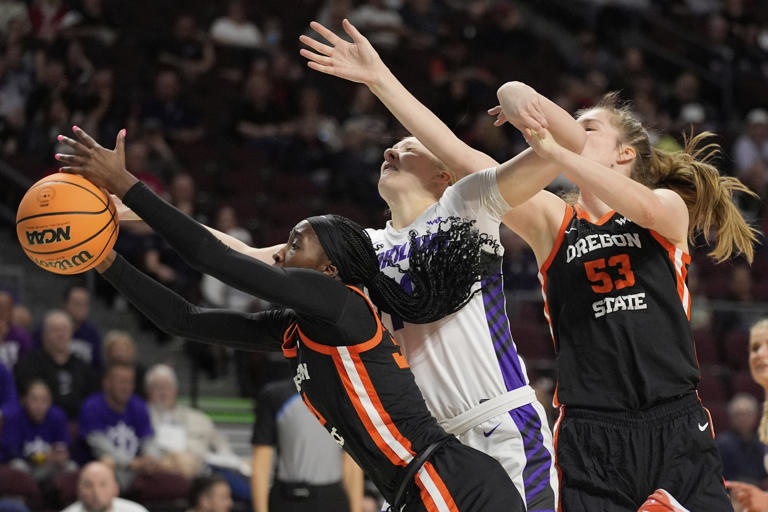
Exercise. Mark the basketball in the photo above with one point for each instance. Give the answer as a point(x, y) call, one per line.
point(66, 224)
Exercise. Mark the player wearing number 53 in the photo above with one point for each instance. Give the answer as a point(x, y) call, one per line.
point(614, 283)
point(348, 368)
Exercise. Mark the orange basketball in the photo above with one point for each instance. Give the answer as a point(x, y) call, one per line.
point(66, 224)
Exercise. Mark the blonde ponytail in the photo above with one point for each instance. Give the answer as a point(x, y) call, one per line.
point(708, 195)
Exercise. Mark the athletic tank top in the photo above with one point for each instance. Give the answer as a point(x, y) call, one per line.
point(367, 399)
point(618, 307)
point(469, 356)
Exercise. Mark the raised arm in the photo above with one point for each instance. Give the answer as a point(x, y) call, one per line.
point(176, 316)
point(359, 62)
point(661, 210)
point(306, 291)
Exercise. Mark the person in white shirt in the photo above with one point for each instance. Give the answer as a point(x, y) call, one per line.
point(235, 29)
point(97, 492)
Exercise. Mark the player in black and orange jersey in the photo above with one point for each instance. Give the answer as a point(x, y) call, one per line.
point(348, 368)
point(613, 274)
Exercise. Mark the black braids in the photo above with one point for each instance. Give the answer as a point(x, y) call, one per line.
point(443, 266)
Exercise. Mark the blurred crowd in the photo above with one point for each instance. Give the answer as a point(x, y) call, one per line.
point(225, 119)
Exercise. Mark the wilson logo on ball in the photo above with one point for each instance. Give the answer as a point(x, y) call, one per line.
point(78, 260)
point(47, 236)
point(45, 194)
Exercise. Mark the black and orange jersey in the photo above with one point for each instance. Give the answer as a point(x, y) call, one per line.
point(618, 308)
point(366, 397)
point(347, 367)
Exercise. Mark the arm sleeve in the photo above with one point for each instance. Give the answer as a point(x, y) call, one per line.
point(306, 291)
point(175, 315)
point(478, 195)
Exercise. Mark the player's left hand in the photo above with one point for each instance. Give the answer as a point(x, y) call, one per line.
point(543, 143)
point(104, 167)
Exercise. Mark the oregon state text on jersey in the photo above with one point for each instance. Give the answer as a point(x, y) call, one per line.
point(618, 308)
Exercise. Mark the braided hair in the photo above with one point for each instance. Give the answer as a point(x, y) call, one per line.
point(443, 266)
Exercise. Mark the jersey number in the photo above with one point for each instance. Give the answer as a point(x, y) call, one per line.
point(603, 283)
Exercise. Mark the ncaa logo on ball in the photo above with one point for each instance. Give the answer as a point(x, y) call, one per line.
point(45, 195)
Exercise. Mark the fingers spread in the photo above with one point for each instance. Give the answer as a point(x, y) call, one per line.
point(350, 29)
point(321, 59)
point(70, 159)
point(326, 33)
point(316, 45)
point(86, 139)
point(72, 143)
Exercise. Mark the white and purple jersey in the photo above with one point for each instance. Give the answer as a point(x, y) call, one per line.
point(125, 430)
point(469, 357)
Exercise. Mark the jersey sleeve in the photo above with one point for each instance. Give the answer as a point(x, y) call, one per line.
point(477, 196)
point(175, 315)
point(306, 291)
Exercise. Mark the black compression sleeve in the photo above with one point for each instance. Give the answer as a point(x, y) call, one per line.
point(306, 291)
point(176, 316)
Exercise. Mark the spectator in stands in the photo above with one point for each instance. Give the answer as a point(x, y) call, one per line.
point(740, 292)
point(86, 339)
point(95, 24)
point(14, 340)
point(97, 491)
point(116, 428)
point(188, 50)
point(740, 446)
point(383, 25)
point(750, 150)
point(7, 389)
point(210, 494)
point(185, 436)
point(747, 495)
point(312, 472)
point(35, 438)
point(69, 378)
point(47, 17)
point(10, 11)
point(177, 119)
point(235, 29)
point(119, 348)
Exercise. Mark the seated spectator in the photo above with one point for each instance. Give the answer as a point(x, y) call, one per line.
point(383, 26)
point(210, 494)
point(235, 29)
point(116, 429)
point(185, 436)
point(744, 494)
point(188, 50)
point(35, 437)
point(97, 491)
point(86, 340)
point(7, 389)
point(750, 150)
point(119, 348)
point(69, 378)
point(740, 446)
point(176, 118)
point(14, 340)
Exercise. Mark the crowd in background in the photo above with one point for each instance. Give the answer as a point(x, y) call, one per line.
point(225, 119)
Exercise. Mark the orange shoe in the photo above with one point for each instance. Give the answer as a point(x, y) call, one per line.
point(661, 501)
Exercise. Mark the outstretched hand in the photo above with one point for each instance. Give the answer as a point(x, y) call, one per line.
point(356, 61)
point(104, 167)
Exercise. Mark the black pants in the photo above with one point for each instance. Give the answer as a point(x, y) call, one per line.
point(300, 497)
point(611, 462)
point(474, 481)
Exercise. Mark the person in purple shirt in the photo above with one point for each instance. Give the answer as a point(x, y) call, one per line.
point(7, 388)
point(35, 438)
point(86, 340)
point(117, 430)
point(14, 340)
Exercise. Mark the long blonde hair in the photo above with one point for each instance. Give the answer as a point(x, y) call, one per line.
point(690, 173)
point(763, 428)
